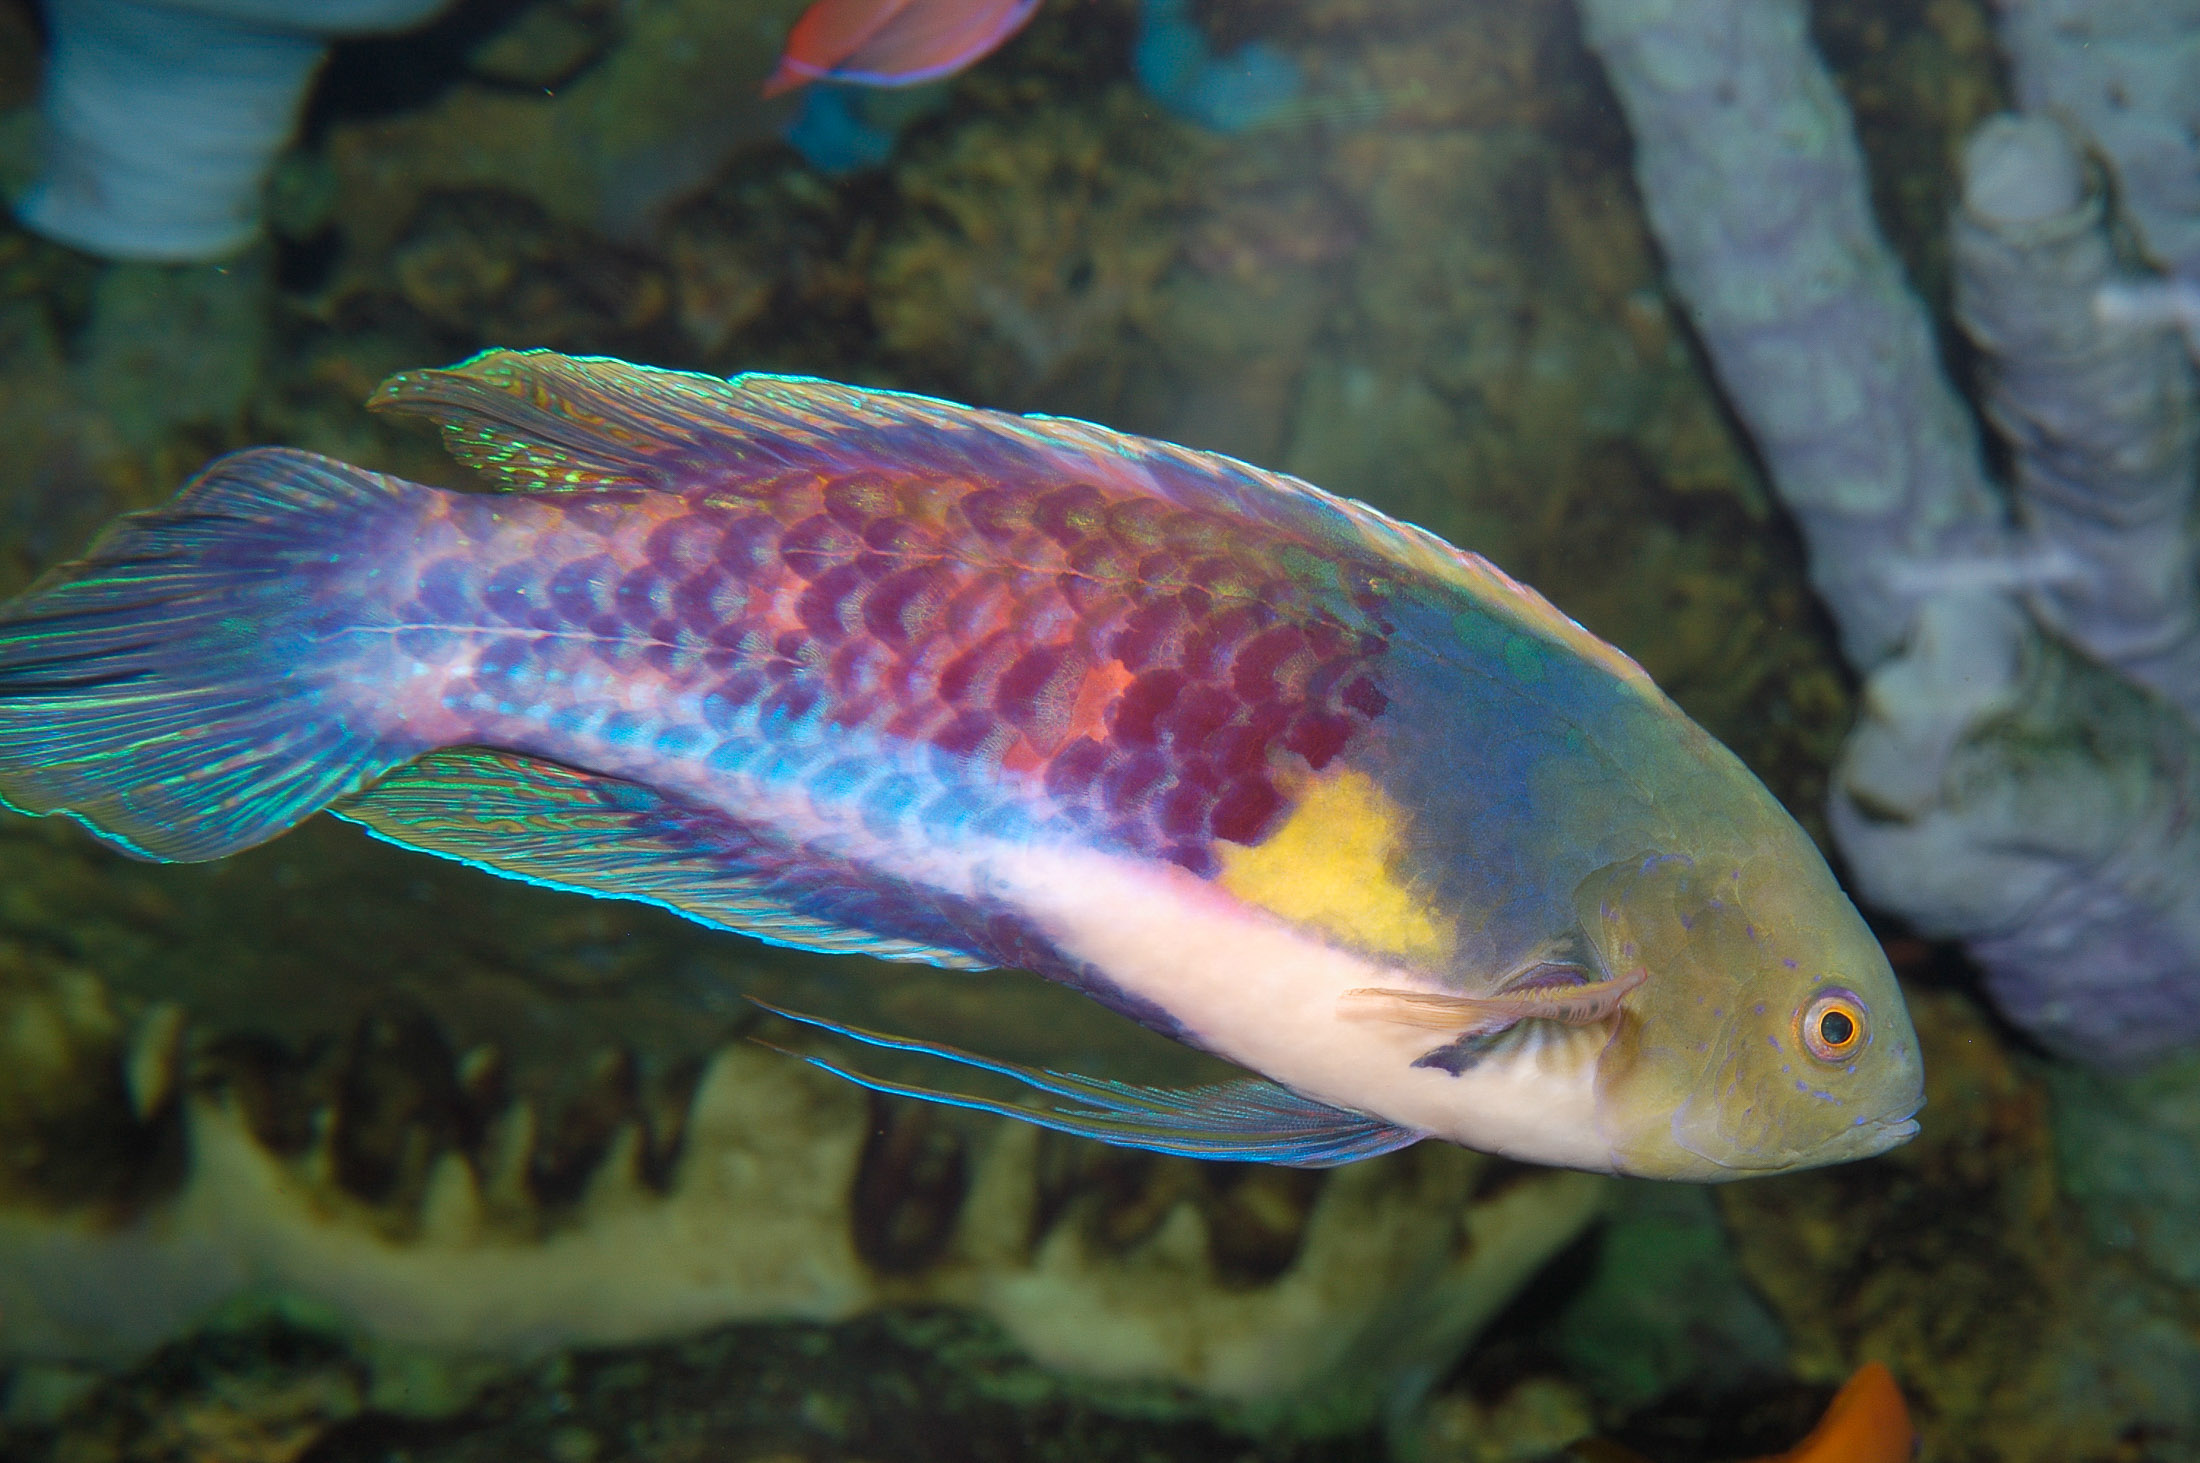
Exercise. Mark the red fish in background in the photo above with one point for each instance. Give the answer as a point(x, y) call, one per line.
point(893, 42)
point(1866, 1422)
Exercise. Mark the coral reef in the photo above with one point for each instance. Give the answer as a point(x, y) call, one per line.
point(1916, 79)
point(1666, 1307)
point(1502, 365)
point(2122, 71)
point(2102, 416)
point(1018, 303)
point(1997, 790)
point(1959, 1263)
point(845, 129)
point(2025, 752)
point(1252, 84)
point(909, 1387)
point(649, 117)
point(385, 1193)
point(2129, 1150)
point(1755, 187)
point(1425, 282)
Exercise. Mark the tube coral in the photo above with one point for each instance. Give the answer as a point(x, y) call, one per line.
point(163, 117)
point(2020, 775)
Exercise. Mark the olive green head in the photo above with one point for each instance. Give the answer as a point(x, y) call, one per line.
point(1770, 1033)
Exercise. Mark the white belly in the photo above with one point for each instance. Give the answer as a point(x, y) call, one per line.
point(1255, 990)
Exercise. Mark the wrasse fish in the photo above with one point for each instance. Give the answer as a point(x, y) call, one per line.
point(1867, 1422)
point(893, 42)
point(1277, 776)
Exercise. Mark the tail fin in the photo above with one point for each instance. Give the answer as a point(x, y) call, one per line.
point(162, 690)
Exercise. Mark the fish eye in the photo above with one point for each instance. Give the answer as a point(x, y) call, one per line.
point(1833, 1025)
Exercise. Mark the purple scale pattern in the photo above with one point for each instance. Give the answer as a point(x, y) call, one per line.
point(1148, 667)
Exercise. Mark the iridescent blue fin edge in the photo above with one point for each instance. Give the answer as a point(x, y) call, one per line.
point(562, 828)
point(171, 689)
point(1248, 1121)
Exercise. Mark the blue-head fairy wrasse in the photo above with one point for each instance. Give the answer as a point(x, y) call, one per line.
point(1303, 787)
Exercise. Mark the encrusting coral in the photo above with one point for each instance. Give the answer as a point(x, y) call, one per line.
point(785, 1195)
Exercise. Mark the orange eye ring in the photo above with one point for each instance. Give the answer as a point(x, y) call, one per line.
point(1832, 1026)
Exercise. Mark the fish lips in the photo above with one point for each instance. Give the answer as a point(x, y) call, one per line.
point(1733, 1153)
point(1895, 1131)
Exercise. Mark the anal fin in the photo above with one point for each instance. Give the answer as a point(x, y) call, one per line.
point(1251, 1120)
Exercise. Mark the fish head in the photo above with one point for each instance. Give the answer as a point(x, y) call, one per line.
point(1769, 1034)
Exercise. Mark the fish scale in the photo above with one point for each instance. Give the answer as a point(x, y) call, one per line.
point(1147, 706)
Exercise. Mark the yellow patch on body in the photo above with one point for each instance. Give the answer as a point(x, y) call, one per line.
point(1333, 865)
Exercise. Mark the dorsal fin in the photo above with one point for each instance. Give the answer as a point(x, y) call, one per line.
point(537, 420)
point(566, 829)
point(540, 420)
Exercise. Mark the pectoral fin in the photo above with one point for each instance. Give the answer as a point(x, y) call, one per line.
point(1247, 1121)
point(1540, 998)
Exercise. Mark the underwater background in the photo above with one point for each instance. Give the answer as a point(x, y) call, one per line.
point(327, 1152)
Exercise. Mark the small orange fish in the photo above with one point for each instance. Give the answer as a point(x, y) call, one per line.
point(893, 42)
point(1866, 1422)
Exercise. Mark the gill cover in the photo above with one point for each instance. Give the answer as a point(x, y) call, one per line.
point(1707, 1076)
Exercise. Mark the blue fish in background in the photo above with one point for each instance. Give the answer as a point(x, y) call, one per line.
point(836, 134)
point(1234, 92)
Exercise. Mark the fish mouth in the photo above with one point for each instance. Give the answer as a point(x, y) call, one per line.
point(1865, 1137)
point(1889, 1131)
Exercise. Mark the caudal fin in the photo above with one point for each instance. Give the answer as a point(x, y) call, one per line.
point(167, 689)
